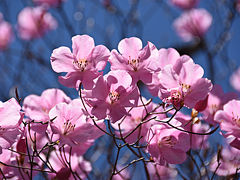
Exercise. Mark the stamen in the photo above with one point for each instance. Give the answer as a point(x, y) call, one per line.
point(68, 127)
point(114, 96)
point(80, 64)
point(134, 63)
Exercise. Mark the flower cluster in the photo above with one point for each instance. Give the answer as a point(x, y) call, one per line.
point(53, 131)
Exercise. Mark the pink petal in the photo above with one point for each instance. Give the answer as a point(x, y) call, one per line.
point(99, 57)
point(62, 60)
point(198, 92)
point(130, 47)
point(82, 46)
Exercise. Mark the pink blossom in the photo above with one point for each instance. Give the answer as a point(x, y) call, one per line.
point(165, 57)
point(10, 119)
point(229, 159)
point(111, 95)
point(83, 64)
point(167, 145)
point(37, 107)
point(229, 119)
point(138, 115)
point(235, 79)
point(193, 124)
point(137, 61)
point(193, 24)
point(5, 157)
point(182, 84)
point(53, 3)
point(60, 164)
point(6, 33)
point(216, 99)
point(166, 173)
point(34, 22)
point(72, 127)
point(185, 4)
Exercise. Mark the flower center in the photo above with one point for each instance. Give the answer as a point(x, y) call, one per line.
point(80, 64)
point(114, 96)
point(68, 127)
point(236, 120)
point(168, 141)
point(134, 63)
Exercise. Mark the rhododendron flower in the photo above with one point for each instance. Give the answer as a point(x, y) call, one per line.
point(229, 119)
point(167, 145)
point(71, 126)
point(5, 157)
point(193, 24)
point(111, 95)
point(83, 64)
point(37, 107)
point(34, 22)
point(77, 163)
point(137, 61)
point(216, 99)
point(193, 124)
point(6, 33)
point(229, 160)
point(182, 84)
point(235, 79)
point(10, 119)
point(49, 2)
point(185, 4)
point(156, 171)
point(138, 115)
point(165, 57)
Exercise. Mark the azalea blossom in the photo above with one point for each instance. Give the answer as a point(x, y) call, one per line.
point(139, 62)
point(216, 99)
point(34, 22)
point(229, 159)
point(71, 126)
point(60, 164)
point(167, 145)
point(193, 24)
point(111, 95)
point(185, 4)
point(138, 115)
point(82, 65)
point(182, 84)
point(229, 119)
point(11, 117)
point(165, 172)
point(6, 33)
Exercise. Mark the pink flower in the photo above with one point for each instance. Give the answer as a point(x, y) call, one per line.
point(235, 79)
point(229, 160)
point(71, 126)
point(193, 124)
point(193, 24)
point(53, 3)
point(183, 84)
point(6, 33)
point(137, 115)
point(37, 107)
point(10, 119)
point(168, 145)
point(216, 99)
point(61, 166)
point(5, 157)
point(137, 61)
point(165, 57)
point(185, 4)
point(83, 64)
point(156, 171)
point(111, 95)
point(34, 22)
point(229, 118)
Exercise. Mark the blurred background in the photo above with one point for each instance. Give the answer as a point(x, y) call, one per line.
point(25, 64)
